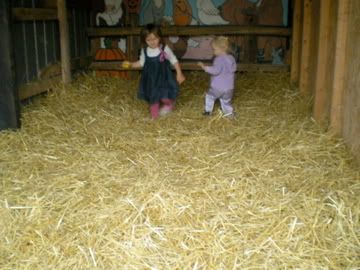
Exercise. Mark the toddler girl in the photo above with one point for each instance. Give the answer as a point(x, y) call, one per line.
point(158, 85)
point(222, 77)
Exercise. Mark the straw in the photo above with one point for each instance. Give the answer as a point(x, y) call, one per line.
point(91, 182)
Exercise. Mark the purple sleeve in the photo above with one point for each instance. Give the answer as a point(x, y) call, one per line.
point(233, 64)
point(215, 68)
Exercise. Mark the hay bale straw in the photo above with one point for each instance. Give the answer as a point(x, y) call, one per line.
point(90, 182)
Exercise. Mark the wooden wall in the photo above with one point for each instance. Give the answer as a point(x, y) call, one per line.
point(37, 43)
point(351, 122)
point(9, 102)
point(327, 63)
point(310, 34)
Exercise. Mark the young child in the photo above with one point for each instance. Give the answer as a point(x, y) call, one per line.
point(222, 77)
point(158, 86)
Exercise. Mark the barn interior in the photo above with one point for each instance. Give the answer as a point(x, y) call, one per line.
point(90, 181)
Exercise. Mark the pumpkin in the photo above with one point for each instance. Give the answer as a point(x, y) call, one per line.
point(182, 12)
point(111, 55)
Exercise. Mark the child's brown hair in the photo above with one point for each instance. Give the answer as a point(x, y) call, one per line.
point(151, 29)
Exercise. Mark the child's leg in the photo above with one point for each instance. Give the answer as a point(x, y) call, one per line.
point(209, 102)
point(154, 110)
point(168, 103)
point(167, 106)
point(225, 102)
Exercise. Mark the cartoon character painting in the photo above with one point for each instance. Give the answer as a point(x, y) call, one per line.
point(270, 12)
point(221, 12)
point(209, 14)
point(111, 49)
point(111, 16)
point(206, 14)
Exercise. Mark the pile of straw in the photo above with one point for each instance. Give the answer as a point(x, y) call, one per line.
point(90, 182)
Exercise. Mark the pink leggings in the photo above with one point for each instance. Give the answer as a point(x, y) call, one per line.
point(155, 107)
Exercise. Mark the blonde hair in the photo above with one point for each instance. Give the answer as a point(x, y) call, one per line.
point(222, 42)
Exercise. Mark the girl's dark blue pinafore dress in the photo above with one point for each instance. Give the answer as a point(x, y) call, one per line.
point(157, 80)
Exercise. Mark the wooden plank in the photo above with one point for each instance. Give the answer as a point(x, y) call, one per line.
point(193, 31)
point(296, 41)
point(116, 65)
point(133, 43)
point(48, 3)
point(305, 65)
point(50, 42)
point(351, 104)
point(37, 87)
point(340, 70)
point(33, 14)
point(64, 42)
point(9, 103)
point(50, 76)
point(55, 69)
point(322, 93)
point(18, 44)
point(40, 40)
point(30, 50)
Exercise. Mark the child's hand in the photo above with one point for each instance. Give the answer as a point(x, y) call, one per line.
point(126, 64)
point(201, 64)
point(180, 78)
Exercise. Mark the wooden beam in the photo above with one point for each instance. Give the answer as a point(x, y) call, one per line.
point(64, 42)
point(304, 84)
point(55, 69)
point(193, 31)
point(296, 39)
point(33, 14)
point(191, 65)
point(37, 87)
point(9, 103)
point(322, 91)
point(50, 76)
point(339, 84)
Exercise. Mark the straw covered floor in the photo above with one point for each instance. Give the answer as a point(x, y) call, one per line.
point(90, 182)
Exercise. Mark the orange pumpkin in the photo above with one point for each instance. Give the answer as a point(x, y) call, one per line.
point(111, 55)
point(182, 12)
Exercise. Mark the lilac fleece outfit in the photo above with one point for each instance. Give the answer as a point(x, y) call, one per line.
point(222, 83)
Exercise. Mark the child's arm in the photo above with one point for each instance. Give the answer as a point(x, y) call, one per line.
point(201, 64)
point(128, 64)
point(179, 75)
point(174, 61)
point(136, 64)
point(215, 69)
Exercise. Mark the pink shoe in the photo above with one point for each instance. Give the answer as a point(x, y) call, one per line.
point(154, 110)
point(166, 109)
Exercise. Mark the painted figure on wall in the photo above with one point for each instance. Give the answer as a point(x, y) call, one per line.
point(111, 16)
point(207, 13)
point(271, 12)
point(221, 12)
point(111, 49)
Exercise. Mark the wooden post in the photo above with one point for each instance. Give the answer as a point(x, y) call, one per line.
point(9, 101)
point(322, 93)
point(336, 112)
point(306, 48)
point(64, 41)
point(296, 41)
point(133, 44)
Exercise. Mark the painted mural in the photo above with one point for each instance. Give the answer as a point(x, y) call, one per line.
point(220, 12)
point(111, 16)
point(111, 49)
